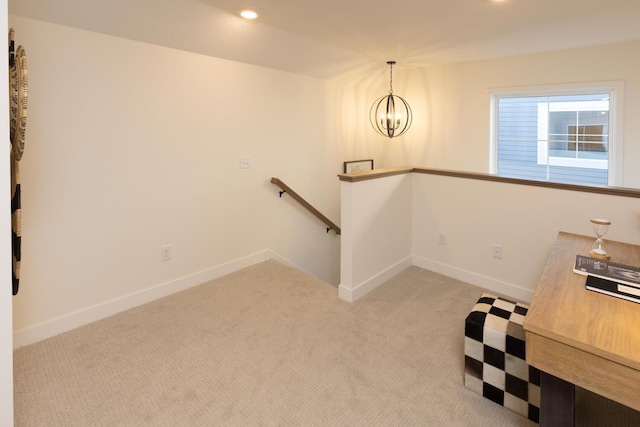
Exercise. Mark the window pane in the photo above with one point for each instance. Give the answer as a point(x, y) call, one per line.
point(563, 128)
point(518, 137)
point(563, 138)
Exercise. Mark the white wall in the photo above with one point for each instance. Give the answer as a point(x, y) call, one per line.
point(451, 131)
point(6, 331)
point(377, 229)
point(392, 222)
point(357, 138)
point(451, 104)
point(133, 146)
point(524, 220)
point(459, 101)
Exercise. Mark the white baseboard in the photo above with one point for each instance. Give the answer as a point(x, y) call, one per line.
point(351, 295)
point(277, 257)
point(507, 289)
point(87, 315)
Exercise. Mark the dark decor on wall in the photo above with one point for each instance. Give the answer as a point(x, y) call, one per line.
point(358, 166)
point(18, 123)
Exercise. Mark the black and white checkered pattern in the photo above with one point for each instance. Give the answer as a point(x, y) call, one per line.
point(494, 356)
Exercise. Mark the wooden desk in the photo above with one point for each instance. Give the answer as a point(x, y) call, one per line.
point(580, 337)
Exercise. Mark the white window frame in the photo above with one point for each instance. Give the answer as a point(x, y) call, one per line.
point(543, 133)
point(615, 89)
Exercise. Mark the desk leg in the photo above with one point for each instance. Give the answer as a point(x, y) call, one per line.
point(557, 401)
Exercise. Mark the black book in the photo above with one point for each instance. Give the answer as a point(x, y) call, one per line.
point(616, 272)
point(613, 289)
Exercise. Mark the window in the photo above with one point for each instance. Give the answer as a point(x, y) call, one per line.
point(561, 134)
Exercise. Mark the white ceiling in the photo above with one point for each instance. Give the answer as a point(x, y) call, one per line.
point(334, 38)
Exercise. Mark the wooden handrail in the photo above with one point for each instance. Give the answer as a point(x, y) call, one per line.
point(381, 173)
point(306, 204)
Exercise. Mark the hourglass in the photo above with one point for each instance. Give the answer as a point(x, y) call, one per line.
point(600, 227)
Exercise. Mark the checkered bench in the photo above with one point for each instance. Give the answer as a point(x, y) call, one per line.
point(494, 356)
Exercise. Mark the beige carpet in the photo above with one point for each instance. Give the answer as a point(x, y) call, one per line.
point(272, 346)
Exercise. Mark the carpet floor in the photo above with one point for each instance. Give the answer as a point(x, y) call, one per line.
point(269, 345)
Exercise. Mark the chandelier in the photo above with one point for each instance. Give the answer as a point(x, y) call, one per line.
point(390, 115)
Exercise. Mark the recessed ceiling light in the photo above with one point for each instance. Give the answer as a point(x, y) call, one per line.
point(248, 14)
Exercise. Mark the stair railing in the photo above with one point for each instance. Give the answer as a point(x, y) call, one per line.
point(286, 189)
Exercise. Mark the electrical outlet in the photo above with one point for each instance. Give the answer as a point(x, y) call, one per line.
point(165, 253)
point(244, 162)
point(497, 251)
point(442, 238)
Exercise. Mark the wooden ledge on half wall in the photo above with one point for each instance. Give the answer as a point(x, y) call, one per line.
point(381, 173)
point(376, 173)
